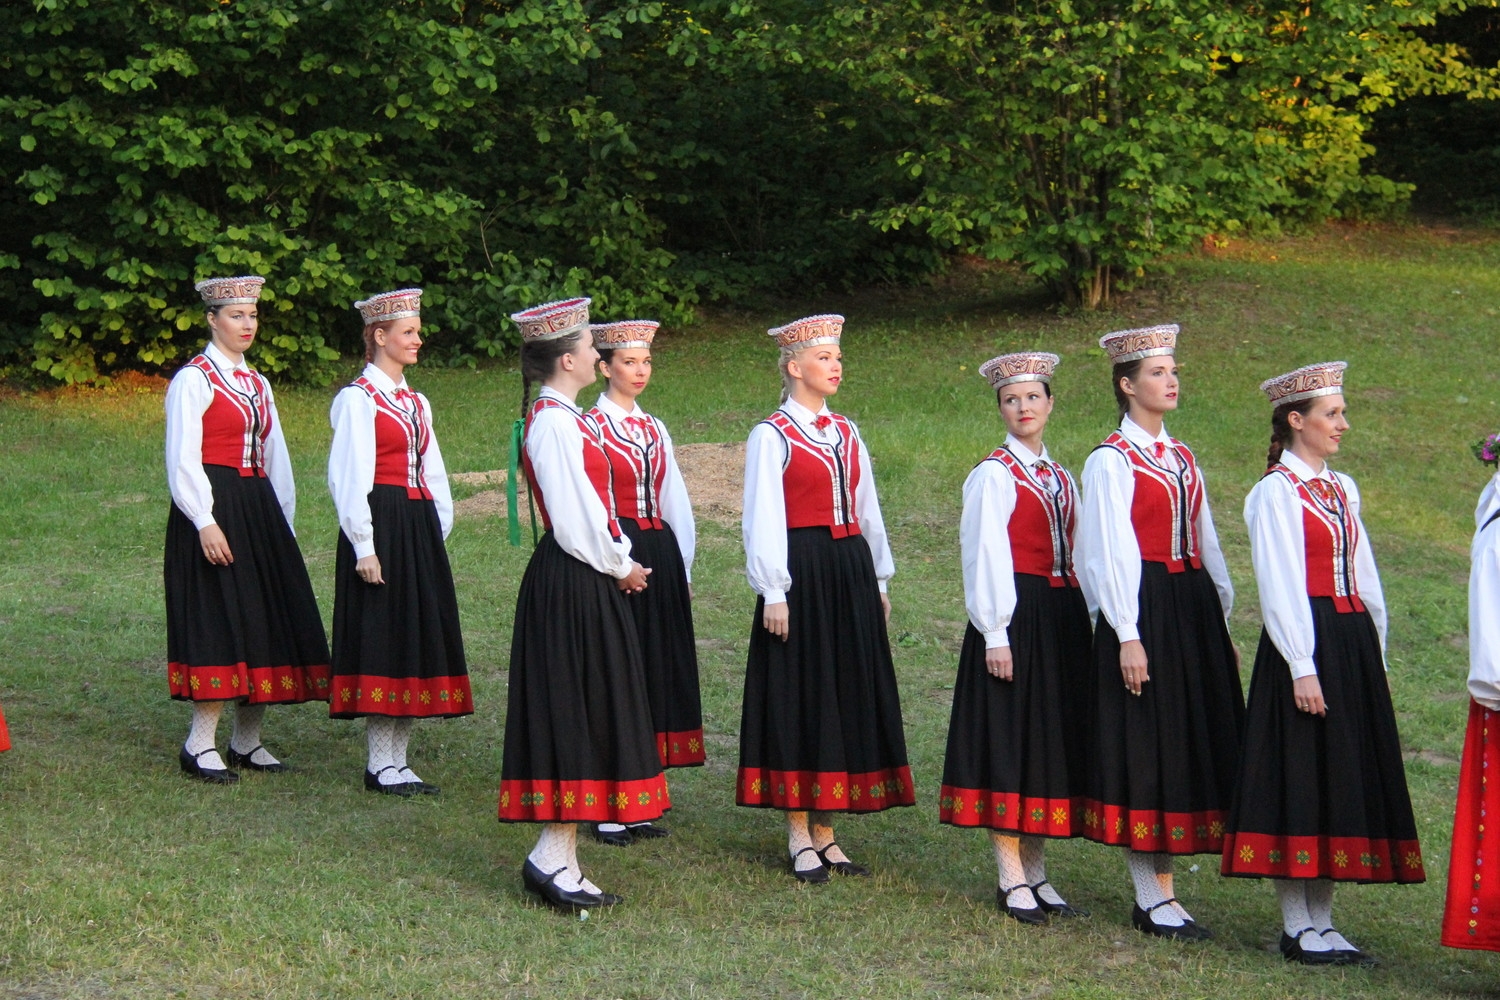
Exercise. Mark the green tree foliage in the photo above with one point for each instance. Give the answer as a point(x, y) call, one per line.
point(1083, 138)
point(501, 152)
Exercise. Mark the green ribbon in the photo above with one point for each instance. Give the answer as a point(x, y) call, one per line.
point(517, 432)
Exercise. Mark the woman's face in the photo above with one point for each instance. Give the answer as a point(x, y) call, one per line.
point(819, 369)
point(400, 340)
point(233, 327)
point(1025, 407)
point(1318, 431)
point(1154, 388)
point(628, 372)
point(580, 366)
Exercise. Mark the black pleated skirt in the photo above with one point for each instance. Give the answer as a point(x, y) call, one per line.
point(821, 723)
point(664, 623)
point(1016, 755)
point(1324, 797)
point(1163, 764)
point(249, 631)
point(397, 649)
point(578, 740)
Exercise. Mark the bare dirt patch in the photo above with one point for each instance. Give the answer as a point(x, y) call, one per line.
point(714, 473)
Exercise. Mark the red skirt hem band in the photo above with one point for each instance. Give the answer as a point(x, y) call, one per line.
point(684, 749)
point(825, 791)
point(255, 685)
point(1011, 812)
point(400, 697)
point(1342, 859)
point(1155, 831)
point(583, 800)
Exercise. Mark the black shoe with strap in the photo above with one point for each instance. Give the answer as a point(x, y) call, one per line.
point(1292, 951)
point(212, 775)
point(1025, 914)
point(539, 883)
point(614, 838)
point(1141, 920)
point(246, 760)
point(845, 867)
point(812, 876)
point(405, 789)
point(421, 786)
point(1063, 909)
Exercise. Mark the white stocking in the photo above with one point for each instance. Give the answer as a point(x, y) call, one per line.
point(1148, 891)
point(821, 829)
point(1320, 909)
point(798, 839)
point(400, 737)
point(245, 736)
point(203, 733)
point(1012, 871)
point(1166, 866)
point(556, 850)
point(1034, 860)
point(380, 734)
point(1292, 894)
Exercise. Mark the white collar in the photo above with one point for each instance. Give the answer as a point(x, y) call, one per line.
point(1025, 454)
point(221, 360)
point(548, 392)
point(381, 380)
point(1136, 434)
point(1301, 469)
point(1489, 499)
point(802, 414)
point(613, 409)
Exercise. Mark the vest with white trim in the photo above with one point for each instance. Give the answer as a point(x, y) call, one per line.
point(1041, 526)
point(1164, 509)
point(1329, 536)
point(238, 420)
point(637, 453)
point(402, 437)
point(595, 463)
point(819, 478)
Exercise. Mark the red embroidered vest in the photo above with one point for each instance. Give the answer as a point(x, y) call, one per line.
point(401, 439)
point(637, 455)
point(238, 421)
point(1329, 535)
point(595, 463)
point(1168, 497)
point(1041, 526)
point(819, 478)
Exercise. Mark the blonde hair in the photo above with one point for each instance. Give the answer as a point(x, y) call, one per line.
point(787, 354)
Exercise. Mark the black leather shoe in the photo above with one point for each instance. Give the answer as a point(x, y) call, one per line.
point(237, 759)
point(648, 831)
point(1141, 920)
point(842, 867)
point(1351, 955)
point(534, 881)
point(812, 876)
point(421, 786)
point(1291, 950)
point(614, 838)
point(212, 775)
point(1063, 909)
point(1025, 914)
point(405, 789)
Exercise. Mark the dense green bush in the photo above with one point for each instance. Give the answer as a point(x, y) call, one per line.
point(500, 153)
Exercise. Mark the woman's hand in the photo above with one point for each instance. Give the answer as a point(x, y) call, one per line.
point(777, 619)
point(999, 663)
point(1309, 694)
point(1133, 665)
point(368, 569)
point(635, 581)
point(885, 605)
point(215, 545)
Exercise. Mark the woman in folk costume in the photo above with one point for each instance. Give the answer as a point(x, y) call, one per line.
point(1164, 746)
point(1471, 918)
point(242, 621)
point(1321, 796)
point(821, 726)
point(651, 505)
point(579, 746)
point(398, 655)
point(1015, 762)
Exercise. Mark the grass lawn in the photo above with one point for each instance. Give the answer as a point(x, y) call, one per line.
point(121, 879)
